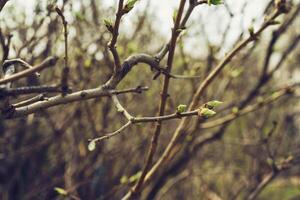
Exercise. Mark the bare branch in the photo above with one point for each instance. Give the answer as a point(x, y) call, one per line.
point(46, 63)
point(109, 135)
point(29, 90)
point(66, 69)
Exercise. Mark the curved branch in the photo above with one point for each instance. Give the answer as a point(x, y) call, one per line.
point(46, 63)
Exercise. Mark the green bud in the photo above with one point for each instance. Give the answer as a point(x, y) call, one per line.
point(213, 104)
point(61, 191)
point(175, 12)
point(189, 138)
point(92, 145)
point(129, 5)
point(181, 108)
point(205, 112)
point(235, 110)
point(109, 25)
point(180, 31)
point(124, 180)
point(251, 30)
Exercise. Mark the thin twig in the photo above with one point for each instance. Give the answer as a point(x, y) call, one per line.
point(50, 61)
point(109, 135)
point(120, 108)
point(40, 97)
point(115, 34)
point(282, 166)
point(7, 63)
point(66, 69)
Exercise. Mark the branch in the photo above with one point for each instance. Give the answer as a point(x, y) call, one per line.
point(73, 97)
point(163, 100)
point(115, 34)
point(109, 135)
point(275, 37)
point(138, 89)
point(234, 115)
point(40, 97)
point(120, 108)
point(282, 166)
point(202, 88)
point(28, 90)
point(205, 125)
point(66, 69)
point(285, 54)
point(5, 44)
point(216, 71)
point(7, 63)
point(46, 63)
point(8, 71)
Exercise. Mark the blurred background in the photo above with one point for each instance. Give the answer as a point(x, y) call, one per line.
point(48, 149)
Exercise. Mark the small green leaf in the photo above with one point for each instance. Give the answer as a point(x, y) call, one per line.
point(61, 191)
point(175, 12)
point(205, 112)
point(251, 30)
point(124, 179)
point(129, 5)
point(87, 63)
point(235, 110)
point(214, 2)
point(92, 145)
point(109, 24)
point(181, 108)
point(213, 104)
point(180, 30)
